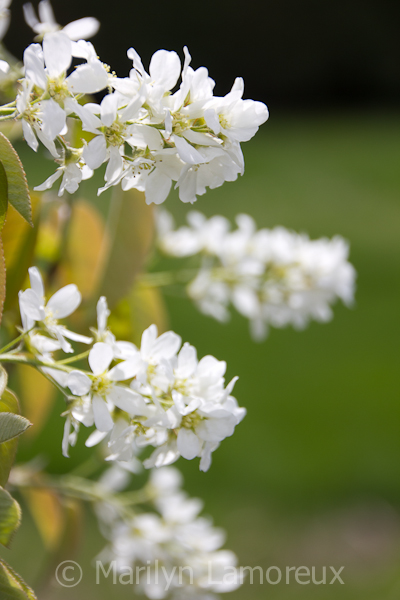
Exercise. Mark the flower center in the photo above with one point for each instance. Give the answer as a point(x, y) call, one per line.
point(50, 320)
point(191, 421)
point(58, 89)
point(115, 134)
point(101, 385)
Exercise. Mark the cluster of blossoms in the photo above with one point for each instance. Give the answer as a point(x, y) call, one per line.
point(147, 134)
point(271, 276)
point(157, 395)
point(170, 553)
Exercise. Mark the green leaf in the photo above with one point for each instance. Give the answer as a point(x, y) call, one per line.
point(12, 586)
point(10, 517)
point(3, 196)
point(12, 426)
point(18, 191)
point(131, 233)
point(8, 403)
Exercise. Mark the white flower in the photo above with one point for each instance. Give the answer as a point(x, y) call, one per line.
point(234, 118)
point(272, 277)
point(81, 29)
point(102, 387)
point(72, 174)
point(174, 541)
point(62, 304)
point(192, 410)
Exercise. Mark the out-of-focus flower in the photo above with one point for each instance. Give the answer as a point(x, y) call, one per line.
point(82, 29)
point(175, 552)
point(272, 277)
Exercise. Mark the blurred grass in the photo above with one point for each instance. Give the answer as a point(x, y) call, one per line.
point(322, 433)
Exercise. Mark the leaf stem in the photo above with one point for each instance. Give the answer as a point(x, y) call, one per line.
point(17, 339)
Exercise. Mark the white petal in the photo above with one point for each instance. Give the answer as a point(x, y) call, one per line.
point(102, 417)
point(82, 29)
point(46, 14)
point(48, 143)
point(167, 345)
point(29, 136)
point(212, 120)
point(95, 153)
point(108, 109)
point(65, 301)
point(88, 79)
point(126, 370)
point(205, 461)
point(34, 66)
point(149, 336)
point(158, 187)
point(36, 281)
point(128, 401)
point(65, 440)
point(165, 68)
point(187, 153)
point(53, 119)
point(31, 305)
point(79, 383)
point(57, 50)
point(46, 185)
point(115, 165)
point(100, 358)
point(188, 444)
point(187, 361)
point(216, 430)
point(102, 314)
point(95, 438)
point(76, 337)
point(143, 136)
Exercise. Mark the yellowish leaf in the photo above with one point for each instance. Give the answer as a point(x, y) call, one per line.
point(37, 395)
point(87, 247)
point(48, 514)
point(131, 227)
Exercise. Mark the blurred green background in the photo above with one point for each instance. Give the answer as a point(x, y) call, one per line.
point(312, 475)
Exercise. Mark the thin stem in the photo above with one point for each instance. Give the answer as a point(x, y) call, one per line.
point(33, 362)
point(72, 359)
point(10, 104)
point(83, 489)
point(17, 339)
point(8, 117)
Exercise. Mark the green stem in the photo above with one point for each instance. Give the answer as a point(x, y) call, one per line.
point(83, 489)
point(72, 359)
point(17, 339)
point(33, 362)
point(8, 117)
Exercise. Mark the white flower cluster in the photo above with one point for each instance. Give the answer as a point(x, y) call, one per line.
point(271, 276)
point(159, 395)
point(147, 134)
point(170, 553)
